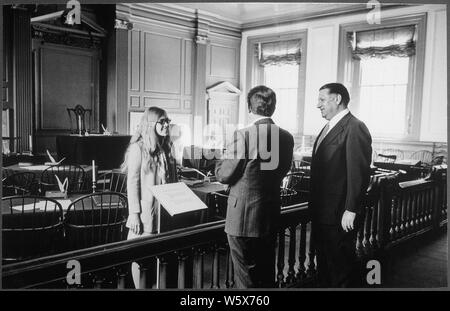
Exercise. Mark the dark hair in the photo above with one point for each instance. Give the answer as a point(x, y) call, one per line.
point(261, 100)
point(338, 88)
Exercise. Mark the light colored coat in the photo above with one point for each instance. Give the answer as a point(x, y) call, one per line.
point(139, 180)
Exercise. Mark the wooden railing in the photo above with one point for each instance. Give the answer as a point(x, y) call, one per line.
point(198, 257)
point(393, 212)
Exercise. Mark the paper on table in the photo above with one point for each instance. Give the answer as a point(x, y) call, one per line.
point(177, 198)
point(35, 167)
point(29, 207)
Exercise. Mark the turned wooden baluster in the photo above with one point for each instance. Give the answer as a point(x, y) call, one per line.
point(418, 212)
point(215, 267)
point(198, 266)
point(98, 280)
point(181, 270)
point(437, 201)
point(407, 214)
point(162, 272)
point(430, 206)
point(229, 281)
point(398, 216)
point(311, 271)
point(380, 215)
point(291, 259)
point(121, 274)
point(144, 274)
point(366, 232)
point(425, 207)
point(280, 259)
point(301, 273)
point(420, 209)
point(373, 225)
point(359, 242)
point(402, 210)
point(392, 219)
point(411, 209)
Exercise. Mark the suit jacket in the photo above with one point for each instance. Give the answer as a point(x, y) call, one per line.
point(340, 171)
point(253, 207)
point(139, 180)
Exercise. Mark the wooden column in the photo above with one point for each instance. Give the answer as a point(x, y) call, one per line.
point(199, 107)
point(117, 98)
point(22, 73)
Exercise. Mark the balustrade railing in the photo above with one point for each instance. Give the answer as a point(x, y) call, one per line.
point(198, 257)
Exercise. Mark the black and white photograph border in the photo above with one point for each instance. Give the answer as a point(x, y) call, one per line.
point(349, 100)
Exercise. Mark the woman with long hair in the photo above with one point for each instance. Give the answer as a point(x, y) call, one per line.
point(149, 161)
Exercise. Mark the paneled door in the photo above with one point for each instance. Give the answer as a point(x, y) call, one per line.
point(65, 76)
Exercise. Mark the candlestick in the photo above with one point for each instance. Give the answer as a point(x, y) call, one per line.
point(79, 125)
point(94, 183)
point(31, 143)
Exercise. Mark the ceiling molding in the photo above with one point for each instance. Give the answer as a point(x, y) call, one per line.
point(176, 15)
point(301, 17)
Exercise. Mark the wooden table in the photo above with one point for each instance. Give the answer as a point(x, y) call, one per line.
point(39, 207)
point(38, 168)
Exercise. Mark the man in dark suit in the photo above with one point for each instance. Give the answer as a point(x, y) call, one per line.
point(254, 165)
point(340, 173)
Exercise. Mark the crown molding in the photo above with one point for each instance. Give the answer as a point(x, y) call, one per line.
point(184, 18)
point(301, 17)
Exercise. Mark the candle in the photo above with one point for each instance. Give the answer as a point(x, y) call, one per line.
point(93, 170)
point(31, 143)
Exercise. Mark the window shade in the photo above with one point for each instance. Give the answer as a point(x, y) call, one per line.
point(381, 43)
point(279, 53)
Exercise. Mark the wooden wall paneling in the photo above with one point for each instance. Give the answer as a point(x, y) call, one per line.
point(8, 81)
point(223, 59)
point(122, 57)
point(199, 108)
point(163, 67)
point(22, 72)
point(65, 76)
point(135, 60)
point(111, 100)
point(162, 64)
point(68, 78)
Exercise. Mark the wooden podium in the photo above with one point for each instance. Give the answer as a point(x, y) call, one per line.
point(176, 199)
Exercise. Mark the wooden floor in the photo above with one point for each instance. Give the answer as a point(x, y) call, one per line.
point(421, 263)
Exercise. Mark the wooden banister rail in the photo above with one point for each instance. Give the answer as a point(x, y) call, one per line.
point(198, 257)
point(101, 260)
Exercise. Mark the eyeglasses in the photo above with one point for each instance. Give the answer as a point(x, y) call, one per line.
point(162, 121)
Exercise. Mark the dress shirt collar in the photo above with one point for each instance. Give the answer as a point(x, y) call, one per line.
point(334, 120)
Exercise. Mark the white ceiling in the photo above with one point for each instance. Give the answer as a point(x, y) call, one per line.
point(251, 12)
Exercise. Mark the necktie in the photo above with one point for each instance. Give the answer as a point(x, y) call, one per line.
point(322, 135)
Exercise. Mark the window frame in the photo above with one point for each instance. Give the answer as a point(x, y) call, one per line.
point(255, 72)
point(349, 70)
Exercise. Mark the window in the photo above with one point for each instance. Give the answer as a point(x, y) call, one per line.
point(383, 91)
point(279, 63)
point(383, 68)
point(284, 81)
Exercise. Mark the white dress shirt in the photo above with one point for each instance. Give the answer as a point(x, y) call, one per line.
point(334, 120)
